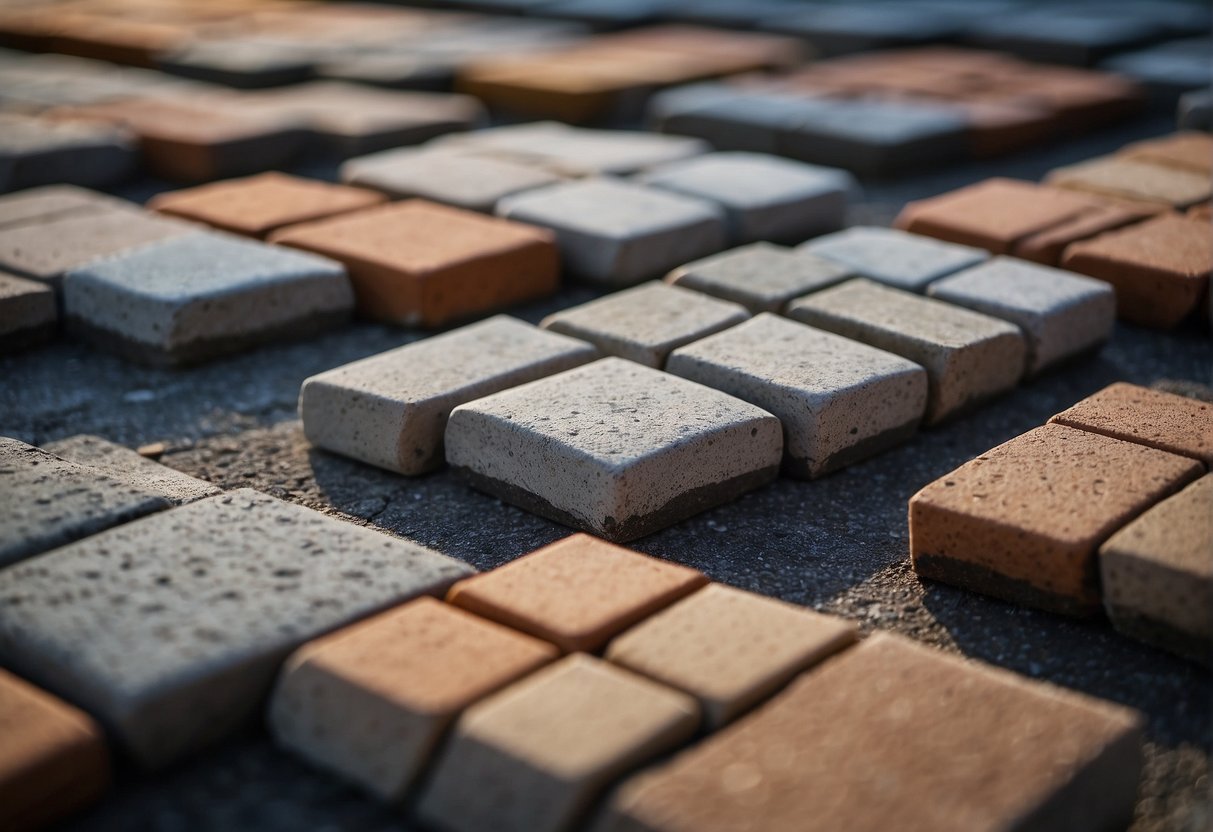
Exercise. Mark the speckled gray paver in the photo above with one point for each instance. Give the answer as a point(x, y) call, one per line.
point(391, 409)
point(201, 295)
point(644, 323)
point(1061, 314)
point(36, 151)
point(763, 197)
point(968, 356)
point(51, 201)
point(614, 448)
point(840, 401)
point(46, 501)
point(619, 233)
point(170, 629)
point(123, 463)
point(762, 277)
point(27, 312)
point(898, 258)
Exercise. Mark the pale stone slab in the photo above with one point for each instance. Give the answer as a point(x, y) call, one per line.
point(897, 258)
point(51, 201)
point(840, 401)
point(390, 409)
point(760, 276)
point(28, 314)
point(37, 151)
point(123, 463)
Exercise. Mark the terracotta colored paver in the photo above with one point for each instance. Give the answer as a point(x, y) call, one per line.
point(259, 204)
point(533, 757)
point(1148, 417)
point(762, 277)
point(28, 314)
point(905, 261)
point(53, 760)
point(894, 735)
point(371, 702)
point(1160, 268)
point(420, 263)
point(123, 463)
point(1157, 573)
point(1188, 150)
point(728, 648)
point(1134, 179)
point(1047, 247)
point(1023, 521)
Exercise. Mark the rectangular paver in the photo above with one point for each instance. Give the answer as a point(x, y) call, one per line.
point(905, 261)
point(1134, 179)
point(39, 151)
point(968, 356)
point(1188, 150)
point(178, 622)
point(28, 314)
point(51, 201)
point(123, 463)
point(614, 447)
point(391, 409)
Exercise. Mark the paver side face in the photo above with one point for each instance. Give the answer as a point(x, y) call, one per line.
point(729, 648)
point(391, 409)
point(1134, 179)
point(25, 305)
point(1023, 520)
point(533, 757)
point(370, 702)
point(893, 735)
point(188, 614)
point(576, 592)
point(1149, 417)
point(123, 463)
point(906, 261)
point(760, 276)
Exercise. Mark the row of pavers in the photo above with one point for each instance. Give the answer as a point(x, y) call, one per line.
point(1109, 503)
point(1138, 219)
point(535, 698)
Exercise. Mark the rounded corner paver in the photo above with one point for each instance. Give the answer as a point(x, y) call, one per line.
point(763, 277)
point(894, 257)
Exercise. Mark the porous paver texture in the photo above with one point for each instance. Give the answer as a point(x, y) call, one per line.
point(177, 624)
point(52, 201)
point(1023, 521)
point(123, 463)
point(760, 276)
point(905, 261)
point(28, 314)
point(577, 592)
point(1190, 150)
point(893, 735)
point(1136, 180)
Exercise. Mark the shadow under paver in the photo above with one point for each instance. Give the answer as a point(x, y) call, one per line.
point(894, 735)
point(28, 314)
point(170, 630)
point(762, 277)
point(614, 448)
point(899, 259)
point(372, 701)
point(123, 463)
point(391, 409)
point(1023, 521)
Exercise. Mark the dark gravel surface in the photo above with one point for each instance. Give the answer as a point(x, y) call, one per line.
point(838, 544)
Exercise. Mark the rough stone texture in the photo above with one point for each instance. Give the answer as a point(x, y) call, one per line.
point(123, 463)
point(760, 276)
point(391, 409)
point(645, 323)
point(46, 501)
point(170, 630)
point(194, 297)
point(1157, 574)
point(618, 233)
point(728, 648)
point(839, 401)
point(614, 448)
point(1190, 150)
point(533, 757)
point(256, 205)
point(53, 761)
point(893, 735)
point(36, 151)
point(371, 702)
point(577, 592)
point(1060, 314)
point(1135, 179)
point(969, 357)
point(1023, 521)
point(905, 261)
point(1160, 268)
point(28, 314)
point(763, 197)
point(1155, 418)
point(1048, 247)
point(420, 263)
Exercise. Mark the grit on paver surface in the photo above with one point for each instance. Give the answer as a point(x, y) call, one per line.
point(904, 261)
point(123, 463)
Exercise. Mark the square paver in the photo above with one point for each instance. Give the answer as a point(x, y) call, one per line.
point(904, 261)
point(372, 701)
point(614, 448)
point(391, 409)
point(969, 357)
point(257, 205)
point(728, 648)
point(645, 323)
point(28, 314)
point(198, 296)
point(763, 197)
point(1023, 521)
point(618, 233)
point(178, 623)
point(533, 757)
point(894, 735)
point(1060, 313)
point(420, 263)
point(762, 277)
point(123, 463)
point(577, 592)
point(1134, 179)
point(840, 401)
